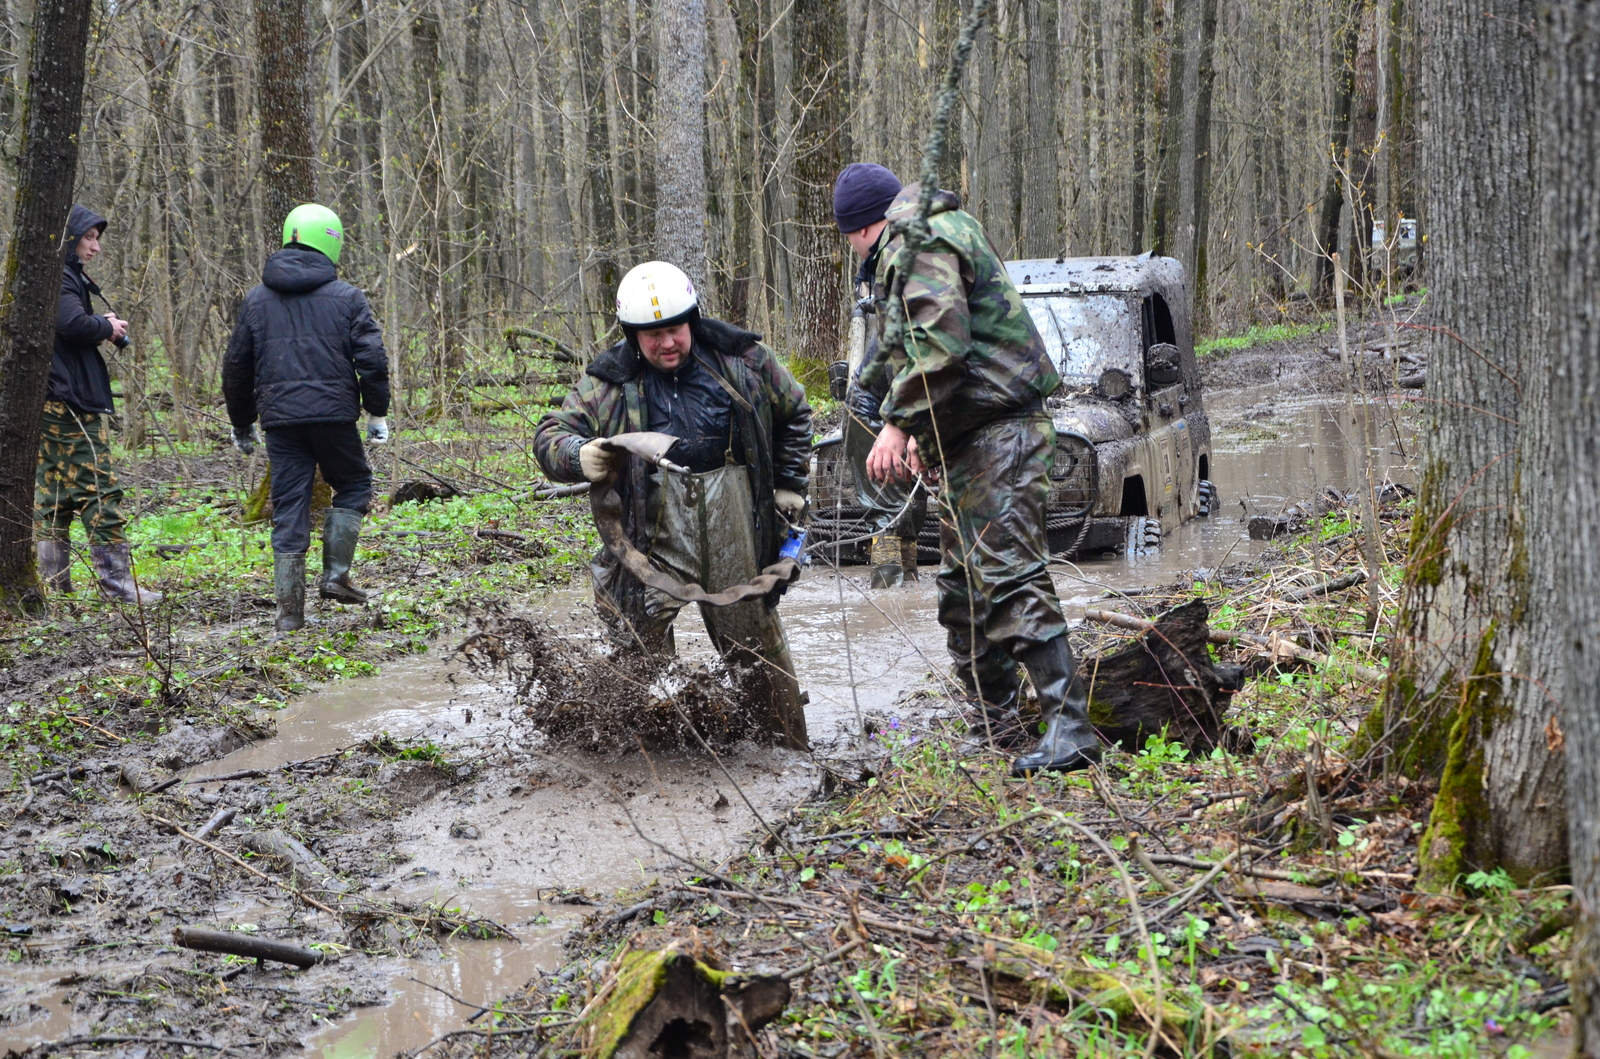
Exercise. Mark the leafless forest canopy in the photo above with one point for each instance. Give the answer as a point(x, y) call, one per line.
point(496, 163)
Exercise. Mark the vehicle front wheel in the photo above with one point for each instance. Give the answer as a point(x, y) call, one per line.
point(1144, 536)
point(1208, 499)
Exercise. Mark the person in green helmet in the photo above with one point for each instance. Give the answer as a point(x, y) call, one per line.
point(305, 358)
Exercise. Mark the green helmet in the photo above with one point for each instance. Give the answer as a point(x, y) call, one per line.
point(315, 226)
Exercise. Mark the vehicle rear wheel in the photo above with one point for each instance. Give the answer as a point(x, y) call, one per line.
point(1208, 499)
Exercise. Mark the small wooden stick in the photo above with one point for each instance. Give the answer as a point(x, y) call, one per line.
point(213, 847)
point(811, 965)
point(219, 820)
point(1149, 866)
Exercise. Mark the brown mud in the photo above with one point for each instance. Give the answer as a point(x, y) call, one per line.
point(449, 814)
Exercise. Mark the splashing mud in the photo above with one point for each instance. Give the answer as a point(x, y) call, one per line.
point(580, 696)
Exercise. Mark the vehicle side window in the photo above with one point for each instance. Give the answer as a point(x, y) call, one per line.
point(1161, 357)
point(1158, 329)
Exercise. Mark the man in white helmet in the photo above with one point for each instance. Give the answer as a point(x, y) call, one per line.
point(744, 431)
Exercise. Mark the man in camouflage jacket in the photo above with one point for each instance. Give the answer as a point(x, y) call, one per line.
point(966, 376)
point(759, 420)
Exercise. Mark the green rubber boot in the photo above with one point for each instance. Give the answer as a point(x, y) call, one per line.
point(289, 585)
point(341, 528)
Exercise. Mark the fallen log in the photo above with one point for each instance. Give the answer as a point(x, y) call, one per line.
point(292, 857)
point(659, 999)
point(248, 945)
point(1163, 681)
point(1014, 975)
point(1276, 644)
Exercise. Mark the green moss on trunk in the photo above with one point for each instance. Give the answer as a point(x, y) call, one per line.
point(1459, 835)
point(1409, 728)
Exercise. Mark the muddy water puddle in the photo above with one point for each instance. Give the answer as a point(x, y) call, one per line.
point(505, 845)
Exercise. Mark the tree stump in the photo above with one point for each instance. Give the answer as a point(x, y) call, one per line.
point(667, 1001)
point(258, 506)
point(1165, 679)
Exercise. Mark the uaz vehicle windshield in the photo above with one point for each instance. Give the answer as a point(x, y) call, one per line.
point(1087, 333)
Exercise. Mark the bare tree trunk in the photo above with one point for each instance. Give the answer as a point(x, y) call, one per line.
point(681, 136)
point(1332, 209)
point(1200, 209)
point(1137, 60)
point(1039, 201)
point(52, 112)
point(1568, 314)
point(820, 147)
point(1164, 236)
point(283, 88)
point(1452, 700)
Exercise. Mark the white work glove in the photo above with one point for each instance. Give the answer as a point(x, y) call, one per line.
point(595, 460)
point(245, 439)
point(789, 503)
point(377, 429)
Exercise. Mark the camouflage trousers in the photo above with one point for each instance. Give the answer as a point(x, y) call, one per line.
point(996, 597)
point(74, 477)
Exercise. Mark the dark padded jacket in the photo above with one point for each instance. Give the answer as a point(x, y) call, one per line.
point(78, 372)
point(305, 349)
point(773, 420)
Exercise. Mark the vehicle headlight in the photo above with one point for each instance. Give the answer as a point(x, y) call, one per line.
point(1075, 473)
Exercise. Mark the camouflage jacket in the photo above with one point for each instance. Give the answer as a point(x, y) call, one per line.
point(970, 353)
point(773, 417)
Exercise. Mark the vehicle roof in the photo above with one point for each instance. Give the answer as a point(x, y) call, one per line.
point(1143, 274)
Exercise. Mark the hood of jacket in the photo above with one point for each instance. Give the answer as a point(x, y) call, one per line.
point(295, 270)
point(79, 221)
point(904, 206)
point(622, 363)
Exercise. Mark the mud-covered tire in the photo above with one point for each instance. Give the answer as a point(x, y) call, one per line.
point(1207, 499)
point(1144, 536)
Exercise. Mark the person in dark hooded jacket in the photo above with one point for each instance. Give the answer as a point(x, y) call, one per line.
point(305, 358)
point(75, 478)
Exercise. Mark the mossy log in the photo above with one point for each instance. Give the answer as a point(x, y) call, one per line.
point(1016, 975)
point(667, 1001)
point(1165, 679)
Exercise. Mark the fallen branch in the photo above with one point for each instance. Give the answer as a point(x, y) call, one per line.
point(811, 965)
point(219, 820)
point(213, 847)
point(1274, 643)
point(1338, 584)
point(248, 945)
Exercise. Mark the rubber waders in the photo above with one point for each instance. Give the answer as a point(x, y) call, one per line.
point(1069, 742)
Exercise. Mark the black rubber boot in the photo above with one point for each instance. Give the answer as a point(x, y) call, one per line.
point(55, 566)
point(341, 528)
point(113, 567)
point(1069, 742)
point(289, 585)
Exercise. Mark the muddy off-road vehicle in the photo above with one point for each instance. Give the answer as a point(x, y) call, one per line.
point(1133, 444)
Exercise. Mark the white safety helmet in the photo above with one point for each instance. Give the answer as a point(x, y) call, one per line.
point(655, 294)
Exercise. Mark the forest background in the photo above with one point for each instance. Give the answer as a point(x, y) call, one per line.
point(502, 163)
